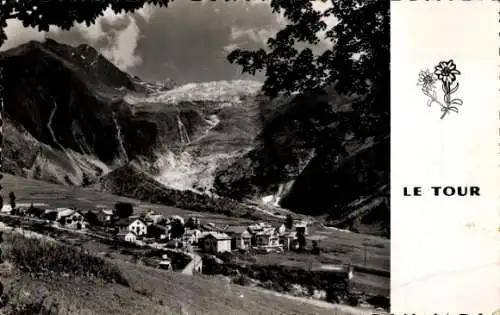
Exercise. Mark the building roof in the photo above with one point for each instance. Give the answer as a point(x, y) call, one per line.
point(289, 235)
point(127, 221)
point(218, 236)
point(62, 212)
point(107, 211)
point(236, 229)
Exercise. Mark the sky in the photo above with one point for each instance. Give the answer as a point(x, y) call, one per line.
point(186, 42)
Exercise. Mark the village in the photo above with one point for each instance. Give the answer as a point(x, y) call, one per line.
point(282, 255)
point(153, 230)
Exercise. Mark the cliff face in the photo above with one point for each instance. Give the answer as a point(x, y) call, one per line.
point(73, 118)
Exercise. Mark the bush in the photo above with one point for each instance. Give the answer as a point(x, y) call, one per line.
point(242, 280)
point(124, 209)
point(41, 257)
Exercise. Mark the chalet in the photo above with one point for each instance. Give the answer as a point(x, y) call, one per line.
point(127, 237)
point(165, 264)
point(132, 225)
point(240, 237)
point(267, 238)
point(193, 222)
point(288, 240)
point(71, 219)
point(191, 236)
point(153, 218)
point(214, 242)
point(7, 208)
point(301, 227)
point(280, 229)
point(105, 215)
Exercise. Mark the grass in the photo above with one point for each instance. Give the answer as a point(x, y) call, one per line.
point(369, 254)
point(149, 291)
point(45, 258)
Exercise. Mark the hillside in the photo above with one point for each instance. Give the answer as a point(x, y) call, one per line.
point(73, 118)
point(145, 290)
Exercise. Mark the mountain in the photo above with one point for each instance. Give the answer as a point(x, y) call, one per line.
point(74, 118)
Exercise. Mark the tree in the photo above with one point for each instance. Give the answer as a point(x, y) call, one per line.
point(301, 240)
point(51, 216)
point(177, 229)
point(315, 248)
point(124, 209)
point(12, 198)
point(92, 218)
point(43, 14)
point(289, 222)
point(357, 65)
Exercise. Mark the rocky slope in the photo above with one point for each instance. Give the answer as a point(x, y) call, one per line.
point(74, 118)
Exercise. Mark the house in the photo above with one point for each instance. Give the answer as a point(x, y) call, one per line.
point(132, 225)
point(214, 242)
point(153, 218)
point(193, 222)
point(240, 237)
point(72, 219)
point(301, 227)
point(105, 215)
point(165, 264)
point(267, 238)
point(288, 240)
point(191, 236)
point(280, 229)
point(178, 218)
point(128, 237)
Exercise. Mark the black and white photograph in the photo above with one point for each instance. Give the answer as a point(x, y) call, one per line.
point(195, 157)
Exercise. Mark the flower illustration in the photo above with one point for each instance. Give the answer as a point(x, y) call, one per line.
point(446, 71)
point(426, 79)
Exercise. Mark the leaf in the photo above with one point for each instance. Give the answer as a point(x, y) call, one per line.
point(429, 102)
point(453, 109)
point(454, 89)
point(456, 101)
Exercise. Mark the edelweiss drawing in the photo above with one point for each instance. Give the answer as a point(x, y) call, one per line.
point(445, 72)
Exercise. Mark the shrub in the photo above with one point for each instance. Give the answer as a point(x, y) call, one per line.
point(124, 209)
point(42, 258)
point(242, 280)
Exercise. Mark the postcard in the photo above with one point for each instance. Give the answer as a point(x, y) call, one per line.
point(445, 188)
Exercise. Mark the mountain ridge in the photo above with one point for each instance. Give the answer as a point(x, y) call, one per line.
point(82, 119)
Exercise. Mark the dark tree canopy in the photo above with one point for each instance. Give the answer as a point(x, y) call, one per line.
point(177, 229)
point(357, 63)
point(124, 209)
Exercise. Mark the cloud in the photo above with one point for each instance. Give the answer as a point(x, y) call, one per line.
point(116, 36)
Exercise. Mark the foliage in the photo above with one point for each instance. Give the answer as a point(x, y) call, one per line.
point(315, 248)
point(242, 280)
point(43, 14)
point(177, 229)
point(43, 258)
point(356, 62)
point(124, 209)
point(92, 218)
point(289, 222)
point(51, 216)
point(12, 198)
point(301, 240)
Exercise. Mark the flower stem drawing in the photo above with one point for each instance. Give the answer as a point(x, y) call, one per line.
point(445, 72)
